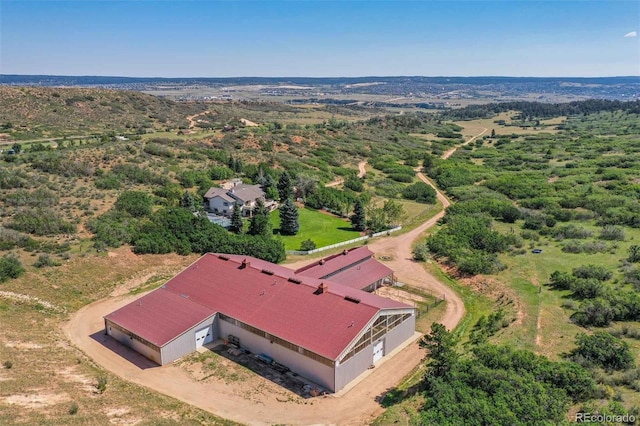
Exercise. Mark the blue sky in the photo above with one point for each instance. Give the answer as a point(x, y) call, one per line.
point(320, 38)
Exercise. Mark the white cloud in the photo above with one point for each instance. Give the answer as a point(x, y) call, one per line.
point(631, 34)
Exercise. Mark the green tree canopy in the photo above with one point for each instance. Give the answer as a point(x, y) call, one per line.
point(289, 222)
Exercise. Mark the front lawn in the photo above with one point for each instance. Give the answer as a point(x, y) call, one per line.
point(322, 228)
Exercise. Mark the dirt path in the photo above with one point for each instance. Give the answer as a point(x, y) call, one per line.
point(192, 118)
point(361, 169)
point(340, 180)
point(450, 152)
point(336, 182)
point(248, 123)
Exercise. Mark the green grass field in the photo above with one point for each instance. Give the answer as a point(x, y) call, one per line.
point(322, 228)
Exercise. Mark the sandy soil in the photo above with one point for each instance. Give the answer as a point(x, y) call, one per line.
point(336, 182)
point(248, 123)
point(361, 169)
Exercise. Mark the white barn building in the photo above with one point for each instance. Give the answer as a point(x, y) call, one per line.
point(324, 331)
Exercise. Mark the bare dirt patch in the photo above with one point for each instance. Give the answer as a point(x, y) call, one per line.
point(399, 295)
point(248, 123)
point(31, 300)
point(23, 345)
point(36, 398)
point(70, 374)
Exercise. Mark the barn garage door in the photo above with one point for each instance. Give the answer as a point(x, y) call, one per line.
point(204, 336)
point(378, 351)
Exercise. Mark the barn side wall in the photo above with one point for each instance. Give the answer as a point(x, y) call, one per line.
point(185, 343)
point(313, 370)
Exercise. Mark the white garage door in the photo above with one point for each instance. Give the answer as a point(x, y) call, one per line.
point(204, 336)
point(378, 351)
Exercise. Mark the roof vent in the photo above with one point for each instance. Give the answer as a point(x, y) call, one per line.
point(245, 264)
point(295, 280)
point(266, 271)
point(352, 299)
point(322, 288)
point(223, 257)
point(186, 296)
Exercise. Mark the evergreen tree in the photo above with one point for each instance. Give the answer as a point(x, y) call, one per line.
point(358, 219)
point(237, 225)
point(285, 186)
point(188, 201)
point(441, 345)
point(493, 133)
point(260, 208)
point(259, 224)
point(289, 223)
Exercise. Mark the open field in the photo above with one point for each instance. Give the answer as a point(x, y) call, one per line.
point(48, 375)
point(322, 228)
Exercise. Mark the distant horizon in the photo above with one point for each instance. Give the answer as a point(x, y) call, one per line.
point(314, 77)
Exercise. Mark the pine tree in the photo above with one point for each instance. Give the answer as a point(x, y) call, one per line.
point(493, 133)
point(289, 223)
point(259, 224)
point(237, 225)
point(358, 219)
point(285, 186)
point(188, 201)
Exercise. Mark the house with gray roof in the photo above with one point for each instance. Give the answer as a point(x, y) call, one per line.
point(222, 201)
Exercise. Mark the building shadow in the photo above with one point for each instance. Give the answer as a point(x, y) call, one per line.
point(392, 396)
point(129, 354)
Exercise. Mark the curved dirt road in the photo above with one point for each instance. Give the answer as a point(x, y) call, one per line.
point(399, 250)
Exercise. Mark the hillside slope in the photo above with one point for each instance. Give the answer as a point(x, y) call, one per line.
point(33, 112)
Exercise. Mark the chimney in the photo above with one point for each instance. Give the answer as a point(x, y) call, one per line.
point(321, 262)
point(245, 264)
point(322, 288)
point(345, 252)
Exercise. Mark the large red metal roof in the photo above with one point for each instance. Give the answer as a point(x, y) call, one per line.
point(322, 323)
point(160, 316)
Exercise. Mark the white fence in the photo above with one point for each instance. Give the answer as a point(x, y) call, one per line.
point(344, 243)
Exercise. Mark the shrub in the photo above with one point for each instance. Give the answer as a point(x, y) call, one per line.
point(591, 271)
point(610, 232)
point(136, 203)
point(102, 384)
point(421, 192)
point(44, 260)
point(10, 267)
point(73, 409)
point(43, 221)
point(307, 245)
point(602, 350)
point(8, 365)
point(354, 183)
point(421, 252)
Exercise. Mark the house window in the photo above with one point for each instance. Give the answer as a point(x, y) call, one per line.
point(226, 204)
